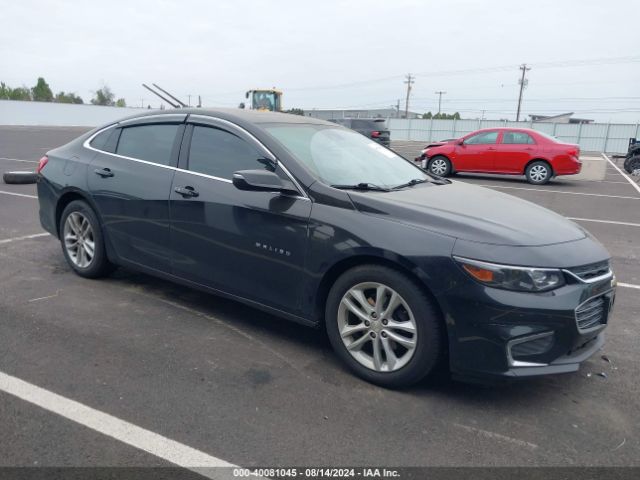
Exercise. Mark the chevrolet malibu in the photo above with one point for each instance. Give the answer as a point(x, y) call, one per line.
point(512, 151)
point(316, 223)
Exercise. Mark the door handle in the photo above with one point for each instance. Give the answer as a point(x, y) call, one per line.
point(186, 192)
point(104, 172)
point(490, 148)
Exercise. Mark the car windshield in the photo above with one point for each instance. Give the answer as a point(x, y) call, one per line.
point(339, 156)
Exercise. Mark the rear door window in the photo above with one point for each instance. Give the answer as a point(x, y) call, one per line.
point(153, 143)
point(106, 140)
point(517, 138)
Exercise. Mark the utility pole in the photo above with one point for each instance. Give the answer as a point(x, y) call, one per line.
point(409, 81)
point(523, 83)
point(189, 99)
point(398, 109)
point(440, 100)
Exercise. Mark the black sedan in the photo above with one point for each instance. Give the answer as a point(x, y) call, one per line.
point(314, 222)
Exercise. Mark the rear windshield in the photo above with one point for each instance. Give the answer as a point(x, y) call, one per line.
point(378, 124)
point(547, 136)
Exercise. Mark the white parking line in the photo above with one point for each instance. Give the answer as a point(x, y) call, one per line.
point(613, 222)
point(559, 191)
point(123, 431)
point(627, 177)
point(18, 194)
point(25, 237)
point(18, 160)
point(628, 285)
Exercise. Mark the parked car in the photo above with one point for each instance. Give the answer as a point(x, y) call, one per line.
point(307, 220)
point(632, 159)
point(511, 151)
point(374, 128)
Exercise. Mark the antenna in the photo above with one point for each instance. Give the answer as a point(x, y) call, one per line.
point(167, 93)
point(174, 105)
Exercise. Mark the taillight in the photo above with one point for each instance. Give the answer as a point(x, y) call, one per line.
point(43, 161)
point(574, 152)
point(375, 134)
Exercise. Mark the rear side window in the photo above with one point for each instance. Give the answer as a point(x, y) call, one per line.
point(106, 141)
point(484, 138)
point(152, 143)
point(519, 138)
point(219, 153)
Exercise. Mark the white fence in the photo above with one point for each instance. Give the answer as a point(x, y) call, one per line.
point(592, 137)
point(596, 137)
point(60, 114)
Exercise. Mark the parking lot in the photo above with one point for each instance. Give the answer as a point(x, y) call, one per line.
point(243, 387)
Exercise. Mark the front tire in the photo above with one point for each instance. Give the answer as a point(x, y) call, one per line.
point(440, 166)
point(538, 172)
point(383, 326)
point(82, 241)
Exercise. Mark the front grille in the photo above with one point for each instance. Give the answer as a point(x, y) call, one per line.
point(593, 270)
point(537, 346)
point(592, 313)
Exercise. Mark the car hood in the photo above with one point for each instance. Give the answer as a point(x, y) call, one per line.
point(471, 213)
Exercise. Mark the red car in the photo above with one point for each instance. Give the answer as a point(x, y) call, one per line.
point(512, 151)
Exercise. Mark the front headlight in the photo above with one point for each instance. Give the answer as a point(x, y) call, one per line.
point(522, 279)
point(424, 150)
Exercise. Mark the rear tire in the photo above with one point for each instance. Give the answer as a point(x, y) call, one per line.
point(440, 166)
point(82, 241)
point(632, 164)
point(538, 172)
point(403, 322)
point(16, 178)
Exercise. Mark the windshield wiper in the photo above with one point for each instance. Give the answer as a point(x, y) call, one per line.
point(410, 183)
point(362, 186)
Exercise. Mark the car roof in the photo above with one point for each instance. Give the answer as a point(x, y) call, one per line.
point(505, 129)
point(236, 115)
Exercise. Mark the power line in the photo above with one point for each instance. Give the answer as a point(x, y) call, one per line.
point(494, 69)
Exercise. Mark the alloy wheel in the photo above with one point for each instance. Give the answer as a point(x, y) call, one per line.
point(439, 166)
point(79, 240)
point(538, 173)
point(377, 327)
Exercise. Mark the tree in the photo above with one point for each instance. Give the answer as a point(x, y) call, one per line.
point(295, 111)
point(103, 96)
point(427, 115)
point(5, 92)
point(42, 92)
point(121, 102)
point(446, 116)
point(20, 93)
point(62, 97)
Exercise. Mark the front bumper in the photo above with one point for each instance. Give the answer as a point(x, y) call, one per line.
point(499, 334)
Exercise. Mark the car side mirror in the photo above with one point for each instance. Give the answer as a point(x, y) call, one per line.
point(262, 181)
point(460, 142)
